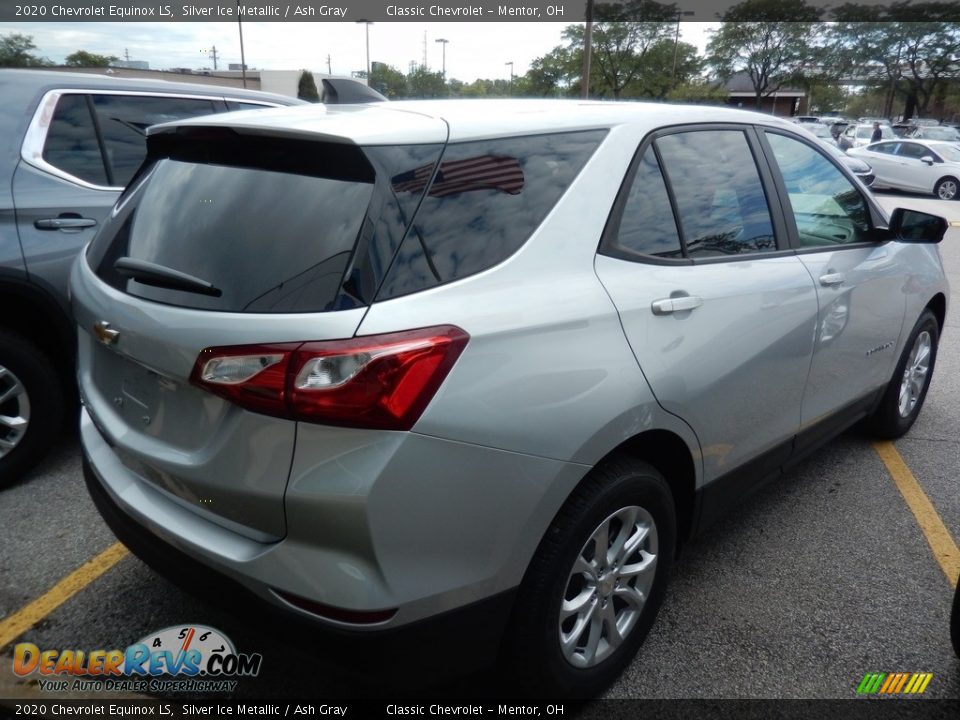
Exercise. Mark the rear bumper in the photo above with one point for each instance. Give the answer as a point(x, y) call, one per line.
point(454, 642)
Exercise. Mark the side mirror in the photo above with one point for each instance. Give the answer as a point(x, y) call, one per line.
point(928, 159)
point(913, 226)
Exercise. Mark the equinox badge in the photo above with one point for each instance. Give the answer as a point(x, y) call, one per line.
point(105, 334)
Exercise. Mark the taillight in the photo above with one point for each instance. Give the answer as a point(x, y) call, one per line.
point(378, 381)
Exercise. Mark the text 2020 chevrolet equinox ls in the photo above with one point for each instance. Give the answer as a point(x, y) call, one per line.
point(381, 363)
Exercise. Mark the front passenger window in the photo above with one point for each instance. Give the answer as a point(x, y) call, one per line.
point(828, 208)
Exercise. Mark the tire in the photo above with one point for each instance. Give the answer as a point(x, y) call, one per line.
point(619, 493)
point(947, 188)
point(31, 406)
point(904, 396)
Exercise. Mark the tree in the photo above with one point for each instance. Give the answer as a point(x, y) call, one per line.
point(82, 58)
point(619, 51)
point(307, 87)
point(893, 49)
point(15, 52)
point(551, 75)
point(654, 79)
point(772, 52)
point(387, 80)
point(421, 83)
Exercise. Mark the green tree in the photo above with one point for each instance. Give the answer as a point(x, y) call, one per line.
point(15, 52)
point(552, 74)
point(82, 58)
point(307, 87)
point(619, 51)
point(387, 80)
point(421, 83)
point(892, 51)
point(772, 52)
point(654, 77)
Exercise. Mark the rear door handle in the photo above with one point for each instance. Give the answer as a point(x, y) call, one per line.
point(676, 304)
point(832, 279)
point(64, 223)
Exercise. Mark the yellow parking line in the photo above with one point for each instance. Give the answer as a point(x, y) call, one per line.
point(941, 542)
point(26, 617)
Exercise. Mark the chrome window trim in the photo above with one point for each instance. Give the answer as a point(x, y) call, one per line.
point(31, 152)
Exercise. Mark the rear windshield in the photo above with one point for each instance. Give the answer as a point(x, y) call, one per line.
point(275, 237)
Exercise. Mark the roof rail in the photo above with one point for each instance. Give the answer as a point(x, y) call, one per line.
point(341, 91)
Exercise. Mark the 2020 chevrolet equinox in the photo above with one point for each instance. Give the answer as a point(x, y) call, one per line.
point(381, 364)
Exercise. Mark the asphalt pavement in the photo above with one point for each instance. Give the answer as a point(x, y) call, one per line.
point(818, 579)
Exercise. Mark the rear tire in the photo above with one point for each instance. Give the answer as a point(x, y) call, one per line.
point(31, 406)
point(947, 188)
point(904, 396)
point(581, 614)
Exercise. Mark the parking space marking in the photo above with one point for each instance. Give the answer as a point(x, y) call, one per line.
point(26, 617)
point(939, 538)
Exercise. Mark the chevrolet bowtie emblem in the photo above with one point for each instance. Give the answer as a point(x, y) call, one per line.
point(105, 334)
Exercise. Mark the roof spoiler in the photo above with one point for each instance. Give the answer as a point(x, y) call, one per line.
point(341, 91)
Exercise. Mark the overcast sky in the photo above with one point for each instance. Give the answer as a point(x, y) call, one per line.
point(474, 49)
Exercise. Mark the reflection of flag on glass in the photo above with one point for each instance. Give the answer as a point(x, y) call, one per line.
point(484, 172)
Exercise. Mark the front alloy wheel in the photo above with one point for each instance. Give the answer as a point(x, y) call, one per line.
point(608, 586)
point(14, 411)
point(914, 379)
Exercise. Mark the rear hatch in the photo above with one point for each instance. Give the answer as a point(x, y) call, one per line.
point(225, 239)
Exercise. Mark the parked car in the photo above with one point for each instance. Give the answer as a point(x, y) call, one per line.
point(928, 166)
point(862, 134)
point(517, 364)
point(938, 132)
point(858, 167)
point(71, 142)
point(807, 120)
point(903, 129)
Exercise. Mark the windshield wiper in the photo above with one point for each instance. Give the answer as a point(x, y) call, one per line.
point(150, 273)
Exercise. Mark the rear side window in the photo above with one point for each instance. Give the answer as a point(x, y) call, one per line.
point(71, 143)
point(484, 201)
point(720, 199)
point(647, 225)
point(124, 120)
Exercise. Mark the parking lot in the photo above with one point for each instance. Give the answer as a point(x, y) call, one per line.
point(815, 581)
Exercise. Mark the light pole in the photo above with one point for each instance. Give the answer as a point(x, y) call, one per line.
point(243, 60)
point(676, 42)
point(444, 46)
point(368, 23)
point(587, 51)
point(511, 72)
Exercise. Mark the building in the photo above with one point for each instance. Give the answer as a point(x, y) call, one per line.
point(785, 102)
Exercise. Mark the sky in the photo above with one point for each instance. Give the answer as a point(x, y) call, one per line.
point(474, 50)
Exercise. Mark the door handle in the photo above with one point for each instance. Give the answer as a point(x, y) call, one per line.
point(64, 223)
point(676, 304)
point(832, 279)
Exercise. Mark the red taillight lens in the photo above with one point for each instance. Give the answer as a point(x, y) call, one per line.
point(378, 381)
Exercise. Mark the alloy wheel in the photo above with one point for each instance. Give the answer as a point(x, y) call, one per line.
point(915, 374)
point(14, 411)
point(947, 190)
point(608, 587)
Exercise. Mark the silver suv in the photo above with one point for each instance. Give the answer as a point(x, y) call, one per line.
point(382, 364)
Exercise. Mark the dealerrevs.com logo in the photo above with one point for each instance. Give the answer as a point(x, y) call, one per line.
point(190, 658)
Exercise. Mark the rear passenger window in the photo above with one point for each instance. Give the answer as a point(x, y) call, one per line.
point(71, 144)
point(720, 200)
point(124, 120)
point(647, 224)
point(484, 201)
point(828, 208)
